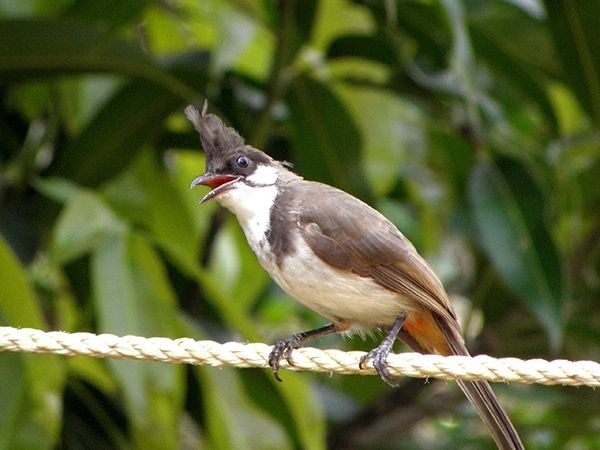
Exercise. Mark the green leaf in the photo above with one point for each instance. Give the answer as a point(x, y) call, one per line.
point(508, 210)
point(234, 422)
point(132, 117)
point(232, 419)
point(13, 392)
point(335, 18)
point(374, 48)
point(425, 24)
point(160, 199)
point(577, 167)
point(392, 130)
point(81, 98)
point(326, 140)
point(133, 296)
point(19, 305)
point(57, 189)
point(518, 47)
point(236, 31)
point(32, 49)
point(515, 35)
point(304, 20)
point(9, 8)
point(84, 223)
point(300, 400)
point(184, 166)
point(93, 371)
point(571, 119)
point(112, 13)
point(462, 67)
point(35, 413)
point(236, 267)
point(575, 26)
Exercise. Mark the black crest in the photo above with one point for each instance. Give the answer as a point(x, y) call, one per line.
point(218, 140)
point(223, 145)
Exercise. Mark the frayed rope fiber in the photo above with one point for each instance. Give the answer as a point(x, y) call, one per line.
point(234, 354)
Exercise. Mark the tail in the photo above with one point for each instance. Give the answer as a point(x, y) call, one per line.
point(479, 393)
point(482, 397)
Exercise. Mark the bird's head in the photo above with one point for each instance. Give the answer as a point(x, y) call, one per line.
point(230, 163)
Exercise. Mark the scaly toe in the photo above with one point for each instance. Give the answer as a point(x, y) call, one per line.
point(366, 358)
point(380, 364)
point(283, 349)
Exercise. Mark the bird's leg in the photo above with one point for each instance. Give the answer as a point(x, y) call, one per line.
point(379, 354)
point(284, 347)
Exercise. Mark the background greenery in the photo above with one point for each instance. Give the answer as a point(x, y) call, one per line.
point(473, 125)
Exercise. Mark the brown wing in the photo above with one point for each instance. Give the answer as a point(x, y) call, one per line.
point(348, 234)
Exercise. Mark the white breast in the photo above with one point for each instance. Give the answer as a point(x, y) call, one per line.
point(337, 294)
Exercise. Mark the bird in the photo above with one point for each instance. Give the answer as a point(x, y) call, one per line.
point(339, 257)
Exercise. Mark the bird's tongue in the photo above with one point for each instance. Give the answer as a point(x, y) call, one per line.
point(211, 180)
point(218, 184)
point(218, 180)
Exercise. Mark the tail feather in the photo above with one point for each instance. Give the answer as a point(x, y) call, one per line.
point(482, 397)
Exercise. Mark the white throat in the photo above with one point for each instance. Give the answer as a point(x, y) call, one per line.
point(252, 203)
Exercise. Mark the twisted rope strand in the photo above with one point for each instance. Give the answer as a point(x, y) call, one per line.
point(189, 351)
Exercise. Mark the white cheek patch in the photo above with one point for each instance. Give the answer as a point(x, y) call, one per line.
point(263, 175)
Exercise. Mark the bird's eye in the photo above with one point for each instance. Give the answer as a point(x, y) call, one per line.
point(242, 161)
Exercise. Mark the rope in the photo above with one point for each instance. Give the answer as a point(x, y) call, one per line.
point(189, 351)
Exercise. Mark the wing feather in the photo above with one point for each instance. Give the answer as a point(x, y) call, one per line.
point(370, 246)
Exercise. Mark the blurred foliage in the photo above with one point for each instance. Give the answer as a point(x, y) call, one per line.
point(473, 125)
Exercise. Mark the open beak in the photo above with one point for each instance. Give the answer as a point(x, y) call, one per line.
point(218, 184)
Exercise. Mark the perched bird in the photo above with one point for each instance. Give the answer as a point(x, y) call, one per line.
point(339, 257)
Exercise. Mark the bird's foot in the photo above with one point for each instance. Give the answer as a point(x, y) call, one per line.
point(379, 356)
point(283, 349)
